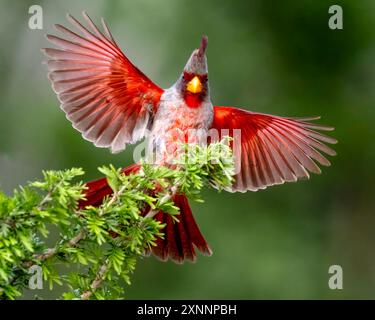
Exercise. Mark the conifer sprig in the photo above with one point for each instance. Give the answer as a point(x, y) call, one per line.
point(100, 245)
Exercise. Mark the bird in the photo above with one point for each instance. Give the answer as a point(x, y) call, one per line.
point(113, 104)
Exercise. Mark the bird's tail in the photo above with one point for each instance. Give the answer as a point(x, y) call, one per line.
point(179, 237)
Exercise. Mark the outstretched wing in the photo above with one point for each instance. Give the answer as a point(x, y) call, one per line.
point(103, 94)
point(272, 149)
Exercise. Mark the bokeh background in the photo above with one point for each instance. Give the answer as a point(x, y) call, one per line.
point(275, 57)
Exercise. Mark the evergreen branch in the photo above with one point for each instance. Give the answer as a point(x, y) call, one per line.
point(101, 244)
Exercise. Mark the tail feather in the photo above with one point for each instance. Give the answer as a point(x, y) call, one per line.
point(191, 226)
point(179, 237)
point(161, 249)
point(186, 248)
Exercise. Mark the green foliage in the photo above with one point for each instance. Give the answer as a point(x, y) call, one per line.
point(100, 245)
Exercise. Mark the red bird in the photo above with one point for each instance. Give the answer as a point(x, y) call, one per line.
point(112, 103)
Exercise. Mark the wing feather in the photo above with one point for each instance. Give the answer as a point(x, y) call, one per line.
point(273, 149)
point(107, 99)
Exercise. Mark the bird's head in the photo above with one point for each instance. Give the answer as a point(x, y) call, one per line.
point(193, 83)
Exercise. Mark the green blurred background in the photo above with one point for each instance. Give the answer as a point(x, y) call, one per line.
point(275, 57)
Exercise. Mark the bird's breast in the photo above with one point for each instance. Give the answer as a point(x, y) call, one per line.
point(175, 123)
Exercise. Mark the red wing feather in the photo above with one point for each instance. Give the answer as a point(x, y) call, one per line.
point(273, 149)
point(107, 99)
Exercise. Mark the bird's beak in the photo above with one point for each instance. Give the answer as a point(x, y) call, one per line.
point(194, 85)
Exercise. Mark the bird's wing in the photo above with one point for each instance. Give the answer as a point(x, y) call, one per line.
point(272, 149)
point(107, 99)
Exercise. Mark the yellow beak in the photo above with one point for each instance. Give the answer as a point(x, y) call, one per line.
point(194, 85)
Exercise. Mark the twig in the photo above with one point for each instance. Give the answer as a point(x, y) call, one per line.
point(97, 281)
point(168, 196)
point(49, 253)
point(113, 199)
point(48, 196)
